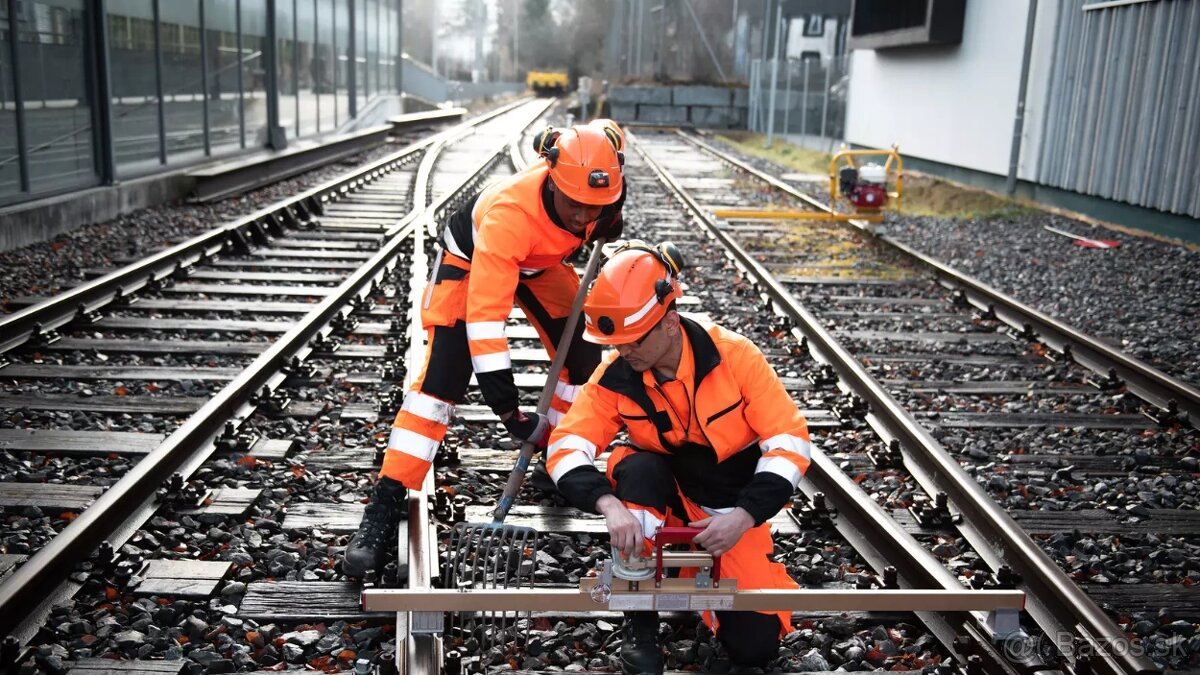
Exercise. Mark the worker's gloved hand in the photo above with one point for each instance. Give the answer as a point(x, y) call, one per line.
point(528, 427)
point(607, 228)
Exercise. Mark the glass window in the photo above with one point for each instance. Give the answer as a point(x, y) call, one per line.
point(385, 36)
point(341, 36)
point(10, 161)
point(372, 47)
point(54, 89)
point(360, 50)
point(254, 75)
point(285, 12)
point(183, 79)
point(311, 66)
point(220, 44)
point(132, 76)
point(327, 64)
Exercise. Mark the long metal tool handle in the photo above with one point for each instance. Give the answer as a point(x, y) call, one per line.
point(517, 476)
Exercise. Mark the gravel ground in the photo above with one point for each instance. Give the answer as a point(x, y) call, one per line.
point(49, 267)
point(1143, 297)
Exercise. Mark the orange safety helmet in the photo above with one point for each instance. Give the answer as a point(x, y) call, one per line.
point(632, 293)
point(584, 165)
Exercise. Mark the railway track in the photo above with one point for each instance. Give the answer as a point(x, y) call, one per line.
point(160, 411)
point(961, 398)
point(886, 504)
point(273, 505)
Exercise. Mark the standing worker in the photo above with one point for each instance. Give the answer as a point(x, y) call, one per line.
point(511, 241)
point(715, 442)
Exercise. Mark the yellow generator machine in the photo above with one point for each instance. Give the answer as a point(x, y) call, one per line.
point(547, 81)
point(863, 187)
point(858, 189)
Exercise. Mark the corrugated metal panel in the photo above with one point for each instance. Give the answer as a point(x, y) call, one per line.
point(1123, 111)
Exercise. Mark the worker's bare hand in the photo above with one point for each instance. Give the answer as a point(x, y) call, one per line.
point(624, 530)
point(721, 532)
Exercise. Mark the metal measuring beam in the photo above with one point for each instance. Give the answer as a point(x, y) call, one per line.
point(724, 598)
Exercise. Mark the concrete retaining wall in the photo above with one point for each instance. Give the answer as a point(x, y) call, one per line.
point(702, 106)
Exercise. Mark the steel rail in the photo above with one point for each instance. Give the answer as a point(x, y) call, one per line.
point(1056, 603)
point(1142, 379)
point(192, 443)
point(865, 525)
point(19, 327)
point(421, 652)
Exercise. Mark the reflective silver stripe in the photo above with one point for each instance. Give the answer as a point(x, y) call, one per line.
point(569, 461)
point(554, 417)
point(716, 512)
point(566, 392)
point(637, 316)
point(789, 443)
point(780, 466)
point(650, 522)
point(428, 407)
point(489, 363)
point(412, 443)
point(573, 442)
point(485, 330)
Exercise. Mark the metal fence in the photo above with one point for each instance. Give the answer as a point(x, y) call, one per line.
point(1123, 115)
point(801, 97)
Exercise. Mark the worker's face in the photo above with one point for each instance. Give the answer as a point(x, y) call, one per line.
point(654, 348)
point(574, 215)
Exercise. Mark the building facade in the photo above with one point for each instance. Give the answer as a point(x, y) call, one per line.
point(1111, 98)
point(97, 91)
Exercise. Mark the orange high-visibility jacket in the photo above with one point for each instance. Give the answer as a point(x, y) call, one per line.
point(757, 447)
point(507, 232)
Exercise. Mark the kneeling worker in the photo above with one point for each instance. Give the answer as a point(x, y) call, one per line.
point(715, 443)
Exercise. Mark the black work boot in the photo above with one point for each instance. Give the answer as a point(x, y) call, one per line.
point(640, 653)
point(368, 547)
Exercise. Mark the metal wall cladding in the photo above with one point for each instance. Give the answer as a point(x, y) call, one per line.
point(1123, 111)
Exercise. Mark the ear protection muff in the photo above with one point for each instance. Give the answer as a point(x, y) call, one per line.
point(617, 144)
point(613, 138)
point(543, 144)
point(668, 254)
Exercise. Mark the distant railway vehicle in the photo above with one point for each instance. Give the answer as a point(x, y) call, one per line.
point(547, 81)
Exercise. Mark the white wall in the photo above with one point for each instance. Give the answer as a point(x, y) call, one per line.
point(948, 104)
